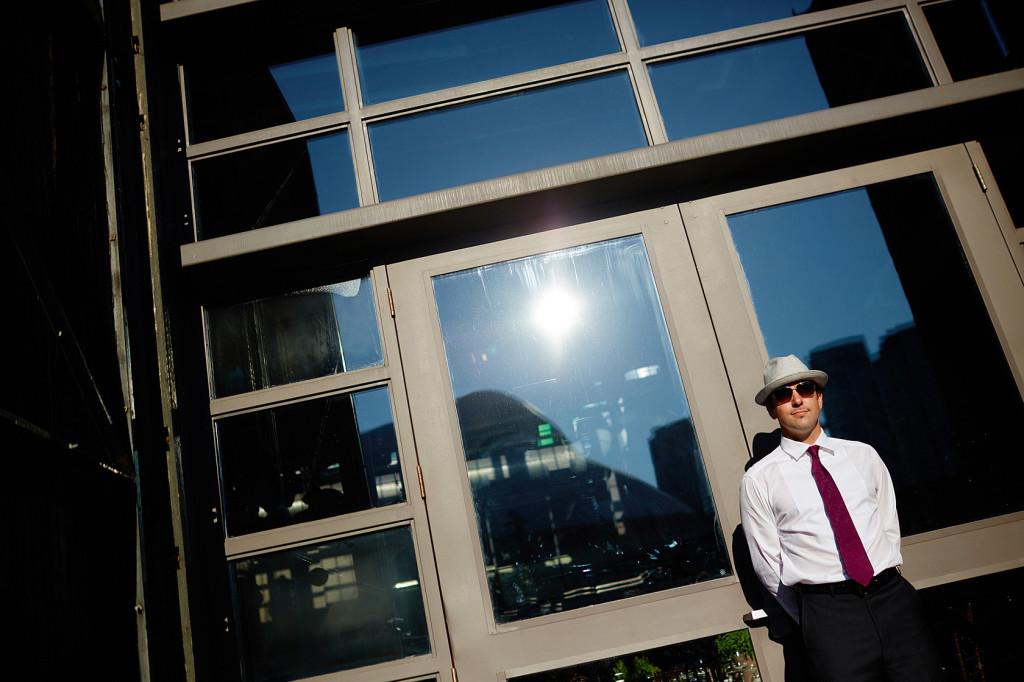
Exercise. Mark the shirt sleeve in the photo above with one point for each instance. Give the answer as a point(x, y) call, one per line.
point(765, 547)
point(886, 501)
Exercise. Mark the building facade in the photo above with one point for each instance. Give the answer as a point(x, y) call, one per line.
point(461, 308)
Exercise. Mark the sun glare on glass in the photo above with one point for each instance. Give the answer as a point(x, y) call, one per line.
point(556, 313)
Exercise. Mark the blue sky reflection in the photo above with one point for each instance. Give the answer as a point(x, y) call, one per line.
point(577, 334)
point(819, 270)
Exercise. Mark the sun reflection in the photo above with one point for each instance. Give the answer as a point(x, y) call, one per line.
point(556, 313)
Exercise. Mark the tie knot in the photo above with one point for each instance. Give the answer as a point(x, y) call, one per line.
point(813, 451)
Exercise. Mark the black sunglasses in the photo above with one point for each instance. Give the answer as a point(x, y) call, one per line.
point(783, 394)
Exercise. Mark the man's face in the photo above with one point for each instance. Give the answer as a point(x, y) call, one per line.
point(797, 416)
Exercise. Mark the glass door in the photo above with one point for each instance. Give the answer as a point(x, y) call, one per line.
point(896, 280)
point(579, 448)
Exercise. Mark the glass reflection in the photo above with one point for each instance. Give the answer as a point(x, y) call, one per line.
point(501, 46)
point(257, 84)
point(304, 335)
point(977, 622)
point(333, 606)
point(978, 37)
point(308, 461)
point(871, 286)
point(587, 478)
point(823, 68)
point(273, 184)
point(659, 21)
point(506, 135)
point(729, 656)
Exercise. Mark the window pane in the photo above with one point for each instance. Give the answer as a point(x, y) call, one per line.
point(506, 135)
point(502, 46)
point(659, 21)
point(304, 335)
point(872, 287)
point(827, 67)
point(977, 624)
point(274, 184)
point(978, 37)
point(334, 606)
point(252, 85)
point(586, 474)
point(729, 656)
point(308, 461)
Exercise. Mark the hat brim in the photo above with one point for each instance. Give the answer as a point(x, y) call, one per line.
point(817, 376)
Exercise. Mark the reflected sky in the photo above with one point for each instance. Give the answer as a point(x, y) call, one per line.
point(311, 86)
point(737, 87)
point(819, 270)
point(482, 50)
point(578, 335)
point(333, 172)
point(506, 135)
point(659, 21)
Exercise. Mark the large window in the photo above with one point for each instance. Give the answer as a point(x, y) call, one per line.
point(842, 282)
point(374, 108)
point(588, 482)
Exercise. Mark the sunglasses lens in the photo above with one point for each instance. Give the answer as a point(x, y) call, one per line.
point(806, 389)
point(784, 394)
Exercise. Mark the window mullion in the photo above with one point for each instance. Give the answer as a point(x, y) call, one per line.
point(648, 104)
point(365, 187)
point(926, 41)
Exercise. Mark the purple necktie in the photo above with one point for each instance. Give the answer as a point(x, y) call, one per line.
point(851, 549)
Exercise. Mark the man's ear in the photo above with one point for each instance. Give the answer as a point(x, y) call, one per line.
point(770, 406)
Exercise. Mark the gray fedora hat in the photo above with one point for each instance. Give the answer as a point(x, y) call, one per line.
point(785, 371)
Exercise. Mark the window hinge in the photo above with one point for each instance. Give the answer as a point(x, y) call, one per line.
point(419, 477)
point(391, 301)
point(981, 178)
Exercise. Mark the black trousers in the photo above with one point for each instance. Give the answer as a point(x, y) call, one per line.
point(880, 636)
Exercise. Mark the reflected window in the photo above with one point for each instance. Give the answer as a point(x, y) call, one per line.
point(978, 37)
point(333, 606)
point(660, 21)
point(826, 67)
point(273, 184)
point(254, 84)
point(392, 68)
point(587, 479)
point(307, 461)
point(505, 135)
point(729, 656)
point(872, 286)
point(284, 339)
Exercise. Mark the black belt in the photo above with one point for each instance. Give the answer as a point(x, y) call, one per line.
point(851, 586)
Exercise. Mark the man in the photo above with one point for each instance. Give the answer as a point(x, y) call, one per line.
point(819, 514)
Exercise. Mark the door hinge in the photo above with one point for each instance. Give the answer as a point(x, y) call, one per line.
point(981, 178)
point(391, 301)
point(419, 477)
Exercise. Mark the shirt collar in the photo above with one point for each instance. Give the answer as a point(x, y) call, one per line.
point(796, 449)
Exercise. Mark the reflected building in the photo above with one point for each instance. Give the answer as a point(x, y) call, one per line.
point(560, 530)
point(894, 403)
point(678, 466)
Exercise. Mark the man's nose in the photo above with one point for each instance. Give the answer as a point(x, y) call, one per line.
point(795, 397)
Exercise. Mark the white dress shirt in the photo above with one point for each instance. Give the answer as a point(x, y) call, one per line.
point(784, 517)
